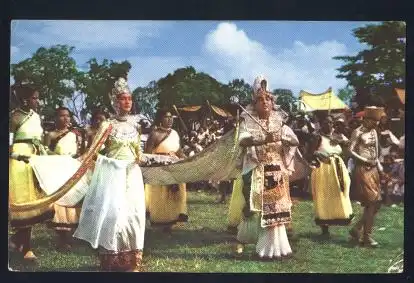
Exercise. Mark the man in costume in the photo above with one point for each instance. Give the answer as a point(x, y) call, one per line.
point(364, 148)
point(64, 140)
point(330, 181)
point(270, 149)
point(26, 134)
point(166, 205)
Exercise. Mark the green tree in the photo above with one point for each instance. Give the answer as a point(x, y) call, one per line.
point(383, 62)
point(345, 94)
point(146, 99)
point(53, 71)
point(285, 98)
point(99, 80)
point(188, 87)
point(240, 89)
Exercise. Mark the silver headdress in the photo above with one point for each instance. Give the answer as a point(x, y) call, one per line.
point(257, 83)
point(120, 87)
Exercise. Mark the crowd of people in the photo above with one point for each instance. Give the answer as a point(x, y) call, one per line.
point(348, 158)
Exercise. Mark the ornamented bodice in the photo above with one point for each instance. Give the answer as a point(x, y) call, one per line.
point(366, 144)
point(123, 142)
point(270, 153)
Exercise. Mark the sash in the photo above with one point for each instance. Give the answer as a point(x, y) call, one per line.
point(56, 140)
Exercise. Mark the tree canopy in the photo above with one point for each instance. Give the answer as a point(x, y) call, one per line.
point(382, 63)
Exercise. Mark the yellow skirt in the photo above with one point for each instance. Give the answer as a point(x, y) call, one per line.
point(66, 218)
point(330, 190)
point(23, 186)
point(237, 203)
point(165, 206)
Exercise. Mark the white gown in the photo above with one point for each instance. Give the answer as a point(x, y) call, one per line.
point(113, 211)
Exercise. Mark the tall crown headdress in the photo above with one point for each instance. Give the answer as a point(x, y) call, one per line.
point(120, 87)
point(257, 88)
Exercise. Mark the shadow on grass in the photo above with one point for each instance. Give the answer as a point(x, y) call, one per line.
point(79, 247)
point(333, 239)
point(18, 264)
point(158, 240)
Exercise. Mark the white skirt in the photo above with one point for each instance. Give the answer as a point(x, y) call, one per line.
point(113, 211)
point(273, 242)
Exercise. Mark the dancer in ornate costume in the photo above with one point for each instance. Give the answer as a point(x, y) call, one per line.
point(364, 148)
point(166, 205)
point(64, 140)
point(270, 149)
point(25, 140)
point(113, 211)
point(330, 180)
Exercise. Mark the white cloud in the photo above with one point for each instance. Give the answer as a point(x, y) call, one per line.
point(91, 34)
point(308, 67)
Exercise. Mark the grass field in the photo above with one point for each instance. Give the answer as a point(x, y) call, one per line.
point(203, 245)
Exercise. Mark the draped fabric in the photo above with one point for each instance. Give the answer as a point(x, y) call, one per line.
point(221, 161)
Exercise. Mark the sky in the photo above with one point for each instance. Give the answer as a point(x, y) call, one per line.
point(290, 54)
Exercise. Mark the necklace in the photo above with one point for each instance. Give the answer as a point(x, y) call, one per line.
point(122, 118)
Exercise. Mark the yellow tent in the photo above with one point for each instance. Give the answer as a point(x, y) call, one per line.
point(323, 101)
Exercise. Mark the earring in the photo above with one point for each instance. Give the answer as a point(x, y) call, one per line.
point(25, 102)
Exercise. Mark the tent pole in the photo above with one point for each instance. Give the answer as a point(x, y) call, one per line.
point(181, 120)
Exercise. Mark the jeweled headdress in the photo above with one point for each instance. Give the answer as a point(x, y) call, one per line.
point(120, 87)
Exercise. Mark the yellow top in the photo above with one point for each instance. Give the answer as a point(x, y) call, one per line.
point(124, 141)
point(67, 145)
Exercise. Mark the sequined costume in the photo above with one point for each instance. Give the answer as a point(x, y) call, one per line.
point(266, 172)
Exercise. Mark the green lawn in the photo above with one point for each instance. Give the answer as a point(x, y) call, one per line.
point(203, 245)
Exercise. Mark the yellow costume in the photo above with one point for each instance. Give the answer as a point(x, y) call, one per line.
point(66, 218)
point(237, 204)
point(330, 184)
point(22, 185)
point(164, 204)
